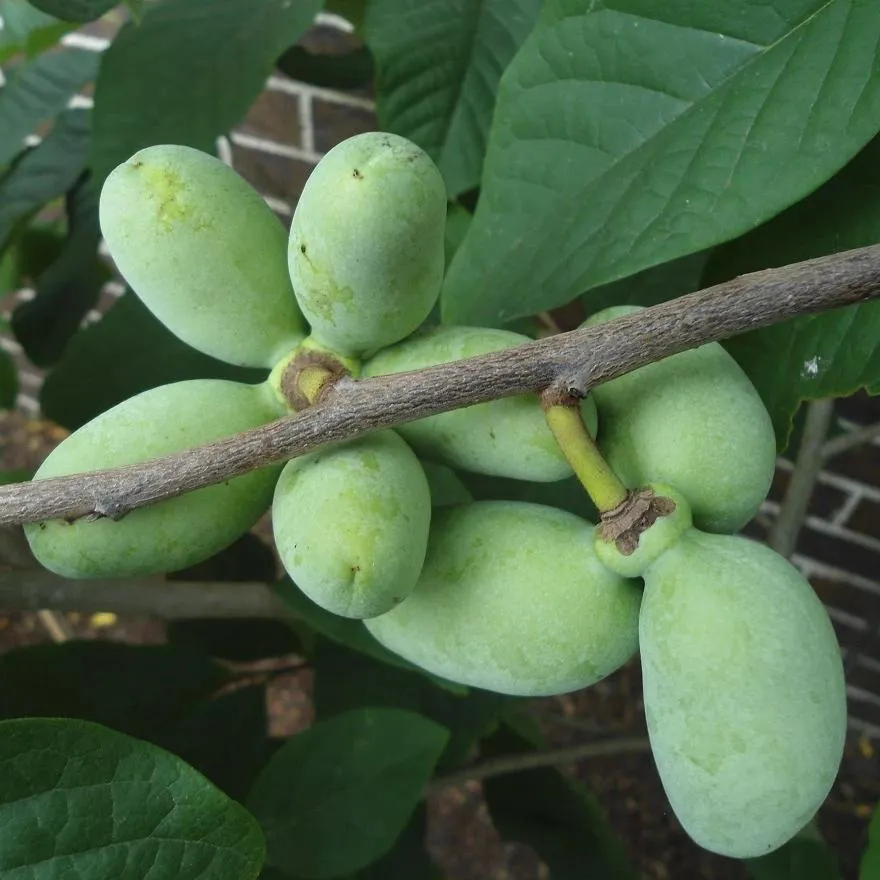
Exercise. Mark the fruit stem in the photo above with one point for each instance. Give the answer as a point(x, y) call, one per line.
point(312, 379)
point(579, 448)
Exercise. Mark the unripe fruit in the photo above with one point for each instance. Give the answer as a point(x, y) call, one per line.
point(507, 437)
point(366, 243)
point(204, 252)
point(351, 524)
point(171, 534)
point(693, 421)
point(744, 692)
point(513, 599)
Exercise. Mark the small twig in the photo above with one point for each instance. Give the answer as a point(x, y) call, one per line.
point(58, 628)
point(34, 590)
point(532, 760)
point(845, 442)
point(793, 510)
point(570, 363)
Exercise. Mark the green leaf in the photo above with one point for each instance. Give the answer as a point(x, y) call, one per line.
point(831, 354)
point(346, 680)
point(192, 68)
point(45, 172)
point(347, 632)
point(651, 286)
point(69, 287)
point(126, 352)
point(557, 816)
point(335, 797)
point(349, 70)
point(458, 222)
point(78, 800)
point(438, 66)
point(36, 90)
point(137, 689)
point(79, 11)
point(628, 133)
point(804, 857)
point(870, 867)
point(408, 860)
point(27, 30)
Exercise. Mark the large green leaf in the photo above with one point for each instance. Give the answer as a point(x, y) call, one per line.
point(126, 352)
point(69, 287)
point(191, 68)
point(335, 797)
point(345, 680)
point(438, 65)
point(45, 172)
point(27, 30)
point(826, 355)
point(79, 800)
point(75, 10)
point(650, 286)
point(557, 816)
point(37, 90)
point(629, 132)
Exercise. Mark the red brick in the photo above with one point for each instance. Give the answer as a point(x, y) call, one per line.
point(275, 176)
point(335, 122)
point(274, 116)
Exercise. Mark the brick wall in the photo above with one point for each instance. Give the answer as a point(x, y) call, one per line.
point(288, 129)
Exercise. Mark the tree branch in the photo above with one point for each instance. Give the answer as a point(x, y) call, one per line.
point(793, 510)
point(36, 589)
point(569, 362)
point(532, 760)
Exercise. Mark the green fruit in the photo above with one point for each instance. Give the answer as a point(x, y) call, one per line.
point(366, 243)
point(172, 534)
point(744, 692)
point(513, 599)
point(507, 437)
point(204, 252)
point(351, 524)
point(695, 422)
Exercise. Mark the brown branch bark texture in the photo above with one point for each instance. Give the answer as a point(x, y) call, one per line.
point(569, 363)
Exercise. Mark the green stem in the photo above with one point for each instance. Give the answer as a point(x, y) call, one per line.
point(602, 485)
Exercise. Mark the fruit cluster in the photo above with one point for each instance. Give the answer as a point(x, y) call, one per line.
point(743, 684)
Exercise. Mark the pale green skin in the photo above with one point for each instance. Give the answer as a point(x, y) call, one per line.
point(507, 437)
point(351, 524)
point(204, 252)
point(656, 540)
point(695, 422)
point(169, 535)
point(366, 248)
point(744, 692)
point(512, 599)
